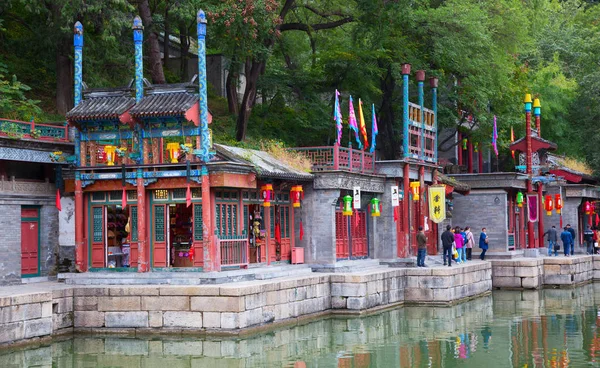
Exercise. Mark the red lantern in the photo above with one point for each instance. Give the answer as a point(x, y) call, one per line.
point(548, 205)
point(588, 208)
point(297, 194)
point(558, 203)
point(267, 194)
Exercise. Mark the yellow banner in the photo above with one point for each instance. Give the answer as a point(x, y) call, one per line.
point(437, 203)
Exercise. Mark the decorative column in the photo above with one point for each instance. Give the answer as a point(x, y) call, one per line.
point(470, 158)
point(138, 38)
point(143, 251)
point(433, 83)
point(80, 261)
point(422, 191)
point(529, 171)
point(537, 112)
point(403, 252)
point(406, 139)
point(420, 80)
point(212, 259)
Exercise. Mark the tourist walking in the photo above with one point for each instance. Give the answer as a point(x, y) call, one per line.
point(447, 240)
point(572, 232)
point(470, 242)
point(588, 237)
point(483, 243)
point(422, 247)
point(552, 239)
point(459, 241)
point(567, 240)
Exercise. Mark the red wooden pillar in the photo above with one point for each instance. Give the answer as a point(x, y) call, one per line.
point(459, 149)
point(480, 160)
point(405, 203)
point(212, 260)
point(541, 214)
point(268, 233)
point(528, 156)
point(470, 163)
point(292, 226)
point(421, 196)
point(336, 156)
point(142, 230)
point(80, 261)
point(522, 227)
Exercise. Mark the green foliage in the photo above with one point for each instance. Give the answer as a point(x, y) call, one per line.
point(13, 102)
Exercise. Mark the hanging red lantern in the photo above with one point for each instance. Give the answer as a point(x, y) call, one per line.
point(549, 205)
point(297, 194)
point(267, 194)
point(558, 203)
point(587, 207)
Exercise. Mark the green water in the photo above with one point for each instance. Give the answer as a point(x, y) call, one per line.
point(549, 328)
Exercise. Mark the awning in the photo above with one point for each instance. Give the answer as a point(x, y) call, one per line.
point(452, 184)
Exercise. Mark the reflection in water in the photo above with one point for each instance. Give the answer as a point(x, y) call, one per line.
point(548, 328)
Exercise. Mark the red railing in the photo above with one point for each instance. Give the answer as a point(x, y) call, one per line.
point(234, 251)
point(339, 158)
point(30, 130)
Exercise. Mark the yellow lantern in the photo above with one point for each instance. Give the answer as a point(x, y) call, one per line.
point(173, 149)
point(414, 188)
point(110, 155)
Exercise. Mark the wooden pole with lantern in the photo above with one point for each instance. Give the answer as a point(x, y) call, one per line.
point(528, 167)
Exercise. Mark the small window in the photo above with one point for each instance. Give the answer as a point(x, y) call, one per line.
point(245, 194)
point(226, 195)
point(115, 195)
point(132, 195)
point(98, 196)
point(161, 194)
point(179, 193)
point(196, 193)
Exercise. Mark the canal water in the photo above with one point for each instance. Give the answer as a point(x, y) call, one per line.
point(548, 328)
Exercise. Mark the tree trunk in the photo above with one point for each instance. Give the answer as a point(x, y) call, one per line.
point(185, 48)
point(64, 79)
point(252, 74)
point(389, 141)
point(231, 88)
point(156, 68)
point(167, 40)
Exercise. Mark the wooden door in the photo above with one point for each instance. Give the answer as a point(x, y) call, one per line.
point(160, 215)
point(342, 240)
point(98, 237)
point(358, 231)
point(133, 228)
point(30, 238)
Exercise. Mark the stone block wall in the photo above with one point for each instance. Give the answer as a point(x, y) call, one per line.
point(369, 289)
point(561, 271)
point(25, 316)
point(10, 243)
point(446, 285)
point(524, 273)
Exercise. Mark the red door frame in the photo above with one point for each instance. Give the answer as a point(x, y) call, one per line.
point(346, 247)
point(30, 241)
point(98, 248)
point(159, 247)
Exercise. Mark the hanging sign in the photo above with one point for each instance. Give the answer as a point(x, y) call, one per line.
point(356, 191)
point(437, 203)
point(395, 196)
point(532, 207)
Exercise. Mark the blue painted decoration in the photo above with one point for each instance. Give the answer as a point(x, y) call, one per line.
point(202, 95)
point(138, 38)
point(421, 104)
point(78, 44)
point(434, 102)
point(405, 115)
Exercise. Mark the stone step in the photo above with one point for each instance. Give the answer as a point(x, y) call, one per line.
point(284, 273)
point(352, 265)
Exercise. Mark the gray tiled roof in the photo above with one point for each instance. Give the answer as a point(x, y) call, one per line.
point(101, 107)
point(164, 104)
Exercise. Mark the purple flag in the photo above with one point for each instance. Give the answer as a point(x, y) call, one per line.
point(374, 130)
point(337, 116)
point(352, 122)
point(532, 206)
point(495, 137)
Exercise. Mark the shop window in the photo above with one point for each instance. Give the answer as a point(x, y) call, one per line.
point(161, 195)
point(98, 196)
point(133, 224)
point(132, 195)
point(97, 225)
point(245, 195)
point(196, 193)
point(198, 222)
point(226, 219)
point(159, 225)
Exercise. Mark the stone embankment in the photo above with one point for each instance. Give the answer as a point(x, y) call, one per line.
point(228, 308)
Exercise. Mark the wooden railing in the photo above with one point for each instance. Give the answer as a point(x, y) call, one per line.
point(30, 130)
point(329, 158)
point(234, 250)
point(10, 185)
point(414, 114)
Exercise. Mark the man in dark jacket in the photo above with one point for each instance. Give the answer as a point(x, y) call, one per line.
point(422, 244)
point(572, 231)
point(567, 240)
point(588, 236)
point(552, 239)
point(447, 240)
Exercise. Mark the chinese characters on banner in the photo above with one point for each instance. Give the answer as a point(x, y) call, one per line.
point(437, 203)
point(395, 196)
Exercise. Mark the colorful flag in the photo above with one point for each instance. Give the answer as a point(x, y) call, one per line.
point(188, 196)
point(301, 230)
point(512, 139)
point(437, 203)
point(361, 124)
point(58, 206)
point(124, 198)
point(352, 122)
point(337, 116)
point(495, 137)
point(374, 130)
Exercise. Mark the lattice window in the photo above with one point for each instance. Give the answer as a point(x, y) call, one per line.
point(132, 195)
point(97, 224)
point(98, 196)
point(115, 195)
point(196, 193)
point(179, 193)
point(246, 218)
point(133, 224)
point(226, 219)
point(198, 222)
point(272, 212)
point(284, 222)
point(159, 224)
point(161, 194)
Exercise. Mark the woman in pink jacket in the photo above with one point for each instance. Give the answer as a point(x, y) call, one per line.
point(460, 242)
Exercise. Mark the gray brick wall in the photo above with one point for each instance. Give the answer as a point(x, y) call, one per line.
point(48, 239)
point(10, 243)
point(384, 237)
point(485, 208)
